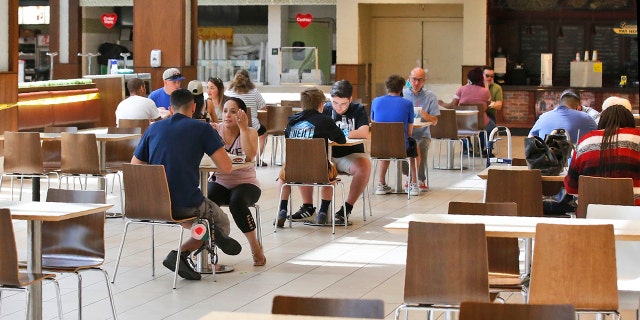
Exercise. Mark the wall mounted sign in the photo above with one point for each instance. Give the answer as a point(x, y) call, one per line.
point(627, 29)
point(304, 19)
point(109, 19)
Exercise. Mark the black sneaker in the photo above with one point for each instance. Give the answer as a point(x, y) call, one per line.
point(304, 214)
point(339, 216)
point(321, 218)
point(227, 244)
point(282, 217)
point(186, 268)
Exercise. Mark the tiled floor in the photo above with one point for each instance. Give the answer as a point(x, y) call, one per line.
point(362, 261)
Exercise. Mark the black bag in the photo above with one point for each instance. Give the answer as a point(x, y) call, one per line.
point(558, 142)
point(539, 156)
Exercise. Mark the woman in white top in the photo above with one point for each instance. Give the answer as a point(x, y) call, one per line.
point(242, 87)
point(239, 188)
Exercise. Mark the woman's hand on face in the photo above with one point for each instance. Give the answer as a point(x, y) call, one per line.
point(242, 119)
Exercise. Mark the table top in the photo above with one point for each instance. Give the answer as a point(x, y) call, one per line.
point(206, 164)
point(350, 142)
point(221, 315)
point(51, 211)
point(516, 226)
point(52, 136)
point(485, 173)
point(417, 123)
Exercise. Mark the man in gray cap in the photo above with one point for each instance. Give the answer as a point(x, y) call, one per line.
point(161, 96)
point(565, 116)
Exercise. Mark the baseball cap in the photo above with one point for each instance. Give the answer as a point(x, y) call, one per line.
point(195, 87)
point(172, 74)
point(569, 93)
point(613, 100)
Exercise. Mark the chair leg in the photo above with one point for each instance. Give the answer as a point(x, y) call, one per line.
point(258, 223)
point(79, 295)
point(58, 297)
point(113, 304)
point(124, 235)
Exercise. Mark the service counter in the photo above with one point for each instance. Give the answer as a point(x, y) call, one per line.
point(73, 102)
point(522, 105)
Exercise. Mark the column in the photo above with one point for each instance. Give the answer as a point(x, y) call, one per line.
point(65, 33)
point(8, 67)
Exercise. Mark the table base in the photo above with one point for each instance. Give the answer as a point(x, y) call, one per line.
point(222, 268)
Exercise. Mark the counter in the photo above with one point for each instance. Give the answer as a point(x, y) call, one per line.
point(522, 105)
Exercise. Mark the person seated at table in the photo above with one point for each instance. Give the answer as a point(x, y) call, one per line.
point(178, 143)
point(162, 96)
point(137, 105)
point(564, 116)
point(474, 92)
point(394, 108)
point(613, 150)
point(350, 159)
point(239, 188)
point(308, 124)
point(215, 98)
point(195, 86)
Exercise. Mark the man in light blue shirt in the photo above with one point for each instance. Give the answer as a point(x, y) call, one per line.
point(429, 111)
point(565, 116)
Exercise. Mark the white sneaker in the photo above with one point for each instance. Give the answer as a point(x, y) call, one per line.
point(383, 189)
point(414, 190)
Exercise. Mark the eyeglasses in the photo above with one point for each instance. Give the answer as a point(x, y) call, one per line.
point(416, 79)
point(489, 75)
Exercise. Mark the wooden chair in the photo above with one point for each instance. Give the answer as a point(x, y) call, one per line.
point(11, 278)
point(503, 253)
point(446, 264)
point(52, 150)
point(311, 172)
point(510, 311)
point(291, 103)
point(471, 127)
point(388, 143)
point(627, 253)
point(80, 159)
point(149, 203)
point(446, 131)
point(77, 244)
point(119, 152)
point(277, 120)
point(523, 187)
point(143, 124)
point(602, 190)
point(575, 264)
point(326, 307)
point(22, 158)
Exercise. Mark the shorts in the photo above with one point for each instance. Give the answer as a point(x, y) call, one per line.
point(343, 164)
point(412, 150)
point(333, 172)
point(209, 210)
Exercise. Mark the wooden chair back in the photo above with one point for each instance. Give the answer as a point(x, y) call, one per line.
point(503, 253)
point(67, 241)
point(388, 140)
point(277, 119)
point(51, 150)
point(602, 190)
point(446, 264)
point(291, 103)
point(119, 152)
point(447, 127)
point(519, 162)
point(9, 261)
point(146, 192)
point(326, 307)
point(523, 187)
point(575, 264)
point(22, 152)
point(510, 311)
point(314, 167)
point(79, 154)
point(143, 124)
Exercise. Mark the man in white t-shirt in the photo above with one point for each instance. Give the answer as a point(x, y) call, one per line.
point(137, 106)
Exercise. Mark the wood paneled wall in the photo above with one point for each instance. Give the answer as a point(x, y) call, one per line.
point(73, 69)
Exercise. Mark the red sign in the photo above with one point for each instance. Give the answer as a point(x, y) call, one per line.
point(109, 19)
point(304, 19)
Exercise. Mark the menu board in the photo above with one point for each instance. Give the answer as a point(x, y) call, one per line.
point(566, 48)
point(608, 45)
point(534, 40)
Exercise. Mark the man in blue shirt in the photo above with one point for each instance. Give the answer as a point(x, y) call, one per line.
point(179, 143)
point(564, 116)
point(171, 82)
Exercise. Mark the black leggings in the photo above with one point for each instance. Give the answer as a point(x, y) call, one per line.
point(238, 199)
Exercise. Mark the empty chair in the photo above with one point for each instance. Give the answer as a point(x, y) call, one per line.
point(277, 119)
point(602, 190)
point(327, 307)
point(627, 253)
point(143, 124)
point(575, 264)
point(119, 152)
point(11, 278)
point(523, 187)
point(446, 264)
point(512, 311)
point(388, 143)
point(51, 149)
point(447, 131)
point(503, 253)
point(310, 172)
point(149, 203)
point(469, 126)
point(22, 158)
point(76, 244)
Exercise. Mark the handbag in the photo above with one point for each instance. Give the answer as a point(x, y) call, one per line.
point(539, 156)
point(559, 143)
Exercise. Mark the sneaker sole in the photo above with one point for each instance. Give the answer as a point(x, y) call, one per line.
point(382, 192)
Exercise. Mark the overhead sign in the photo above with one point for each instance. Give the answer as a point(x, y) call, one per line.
point(304, 19)
point(109, 19)
point(626, 29)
